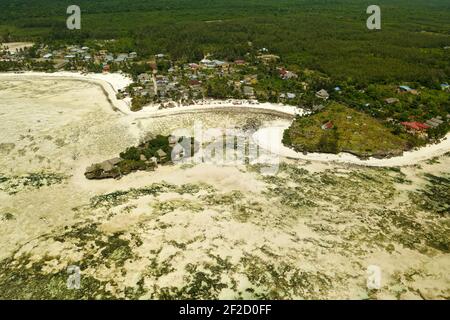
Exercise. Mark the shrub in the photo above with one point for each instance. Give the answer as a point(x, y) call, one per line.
point(128, 166)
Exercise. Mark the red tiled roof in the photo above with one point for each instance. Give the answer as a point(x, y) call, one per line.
point(328, 125)
point(415, 125)
point(283, 71)
point(194, 82)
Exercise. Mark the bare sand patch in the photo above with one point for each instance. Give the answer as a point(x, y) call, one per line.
point(16, 46)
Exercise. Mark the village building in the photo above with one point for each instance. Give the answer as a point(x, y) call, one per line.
point(288, 95)
point(286, 74)
point(144, 77)
point(109, 58)
point(416, 128)
point(434, 122)
point(193, 66)
point(391, 100)
point(327, 125)
point(123, 57)
point(406, 89)
point(248, 91)
point(322, 94)
point(318, 107)
point(161, 155)
point(251, 79)
point(267, 58)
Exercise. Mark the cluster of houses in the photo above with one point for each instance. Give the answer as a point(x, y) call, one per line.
point(165, 87)
point(420, 128)
point(6, 55)
point(79, 54)
point(434, 122)
point(286, 74)
point(184, 83)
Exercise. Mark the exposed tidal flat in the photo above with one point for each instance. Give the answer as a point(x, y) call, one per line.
point(202, 230)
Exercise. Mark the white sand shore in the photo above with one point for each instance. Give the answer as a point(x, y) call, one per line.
point(267, 138)
point(110, 82)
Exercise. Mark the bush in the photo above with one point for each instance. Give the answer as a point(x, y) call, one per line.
point(329, 142)
point(128, 166)
point(131, 153)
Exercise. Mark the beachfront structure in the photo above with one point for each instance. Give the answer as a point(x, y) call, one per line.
point(161, 155)
point(434, 122)
point(416, 128)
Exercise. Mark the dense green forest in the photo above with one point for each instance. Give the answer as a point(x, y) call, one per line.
point(329, 36)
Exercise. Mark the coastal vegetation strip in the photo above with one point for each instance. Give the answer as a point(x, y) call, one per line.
point(342, 129)
point(36, 180)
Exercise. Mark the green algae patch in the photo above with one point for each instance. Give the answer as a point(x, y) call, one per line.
point(29, 181)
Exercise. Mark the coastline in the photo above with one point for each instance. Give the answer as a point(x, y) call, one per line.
point(267, 138)
point(270, 139)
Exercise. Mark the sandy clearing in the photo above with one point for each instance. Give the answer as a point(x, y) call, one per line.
point(14, 46)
